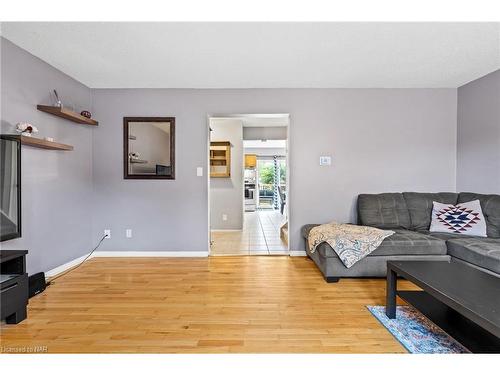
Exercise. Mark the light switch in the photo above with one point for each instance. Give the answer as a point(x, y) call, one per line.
point(325, 160)
point(199, 171)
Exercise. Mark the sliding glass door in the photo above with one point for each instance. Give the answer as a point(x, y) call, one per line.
point(271, 177)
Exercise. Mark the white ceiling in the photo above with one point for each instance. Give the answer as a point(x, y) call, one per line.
point(264, 55)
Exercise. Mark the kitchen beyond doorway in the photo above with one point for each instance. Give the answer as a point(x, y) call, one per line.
point(248, 207)
point(260, 235)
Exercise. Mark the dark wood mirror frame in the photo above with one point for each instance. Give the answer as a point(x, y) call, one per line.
point(126, 174)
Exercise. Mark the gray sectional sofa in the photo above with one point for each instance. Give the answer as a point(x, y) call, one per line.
point(409, 216)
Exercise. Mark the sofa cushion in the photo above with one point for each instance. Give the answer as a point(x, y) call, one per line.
point(420, 207)
point(490, 204)
point(482, 252)
point(306, 229)
point(385, 211)
point(445, 236)
point(402, 242)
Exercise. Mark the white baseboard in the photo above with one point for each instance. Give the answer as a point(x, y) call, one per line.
point(298, 253)
point(162, 254)
point(121, 254)
point(226, 230)
point(65, 266)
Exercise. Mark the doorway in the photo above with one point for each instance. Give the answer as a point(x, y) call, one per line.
point(257, 169)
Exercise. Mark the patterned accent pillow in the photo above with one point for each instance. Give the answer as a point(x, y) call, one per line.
point(464, 218)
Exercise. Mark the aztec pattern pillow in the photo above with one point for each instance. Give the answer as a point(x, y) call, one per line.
point(464, 218)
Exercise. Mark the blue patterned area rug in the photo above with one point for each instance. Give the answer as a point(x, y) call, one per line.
point(417, 333)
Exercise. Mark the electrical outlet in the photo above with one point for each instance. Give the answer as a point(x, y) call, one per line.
point(128, 233)
point(199, 171)
point(107, 233)
point(224, 217)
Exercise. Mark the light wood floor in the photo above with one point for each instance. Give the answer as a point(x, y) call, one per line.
point(242, 304)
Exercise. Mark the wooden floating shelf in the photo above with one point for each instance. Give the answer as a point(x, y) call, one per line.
point(138, 161)
point(42, 143)
point(67, 114)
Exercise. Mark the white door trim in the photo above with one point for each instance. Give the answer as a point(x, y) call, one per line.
point(251, 115)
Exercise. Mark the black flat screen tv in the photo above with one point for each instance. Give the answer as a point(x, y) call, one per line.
point(10, 187)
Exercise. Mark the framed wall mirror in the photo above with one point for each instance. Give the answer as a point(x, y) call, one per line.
point(149, 148)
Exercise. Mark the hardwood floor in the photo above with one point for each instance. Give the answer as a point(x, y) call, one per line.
point(256, 304)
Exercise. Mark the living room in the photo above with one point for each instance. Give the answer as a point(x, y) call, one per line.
point(383, 194)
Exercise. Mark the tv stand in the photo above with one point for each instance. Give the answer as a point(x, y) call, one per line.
point(13, 285)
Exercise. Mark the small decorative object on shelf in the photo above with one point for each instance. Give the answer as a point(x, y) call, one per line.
point(58, 102)
point(50, 139)
point(135, 158)
point(134, 155)
point(86, 114)
point(26, 129)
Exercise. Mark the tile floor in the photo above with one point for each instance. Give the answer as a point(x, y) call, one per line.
point(260, 236)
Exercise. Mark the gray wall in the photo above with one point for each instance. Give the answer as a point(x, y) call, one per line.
point(165, 215)
point(226, 194)
point(380, 139)
point(56, 185)
point(478, 135)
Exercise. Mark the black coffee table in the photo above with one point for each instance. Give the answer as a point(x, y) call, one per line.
point(462, 300)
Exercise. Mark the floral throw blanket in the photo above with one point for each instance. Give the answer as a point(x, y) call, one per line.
point(351, 242)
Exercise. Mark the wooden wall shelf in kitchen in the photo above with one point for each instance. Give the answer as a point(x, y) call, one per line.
point(220, 159)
